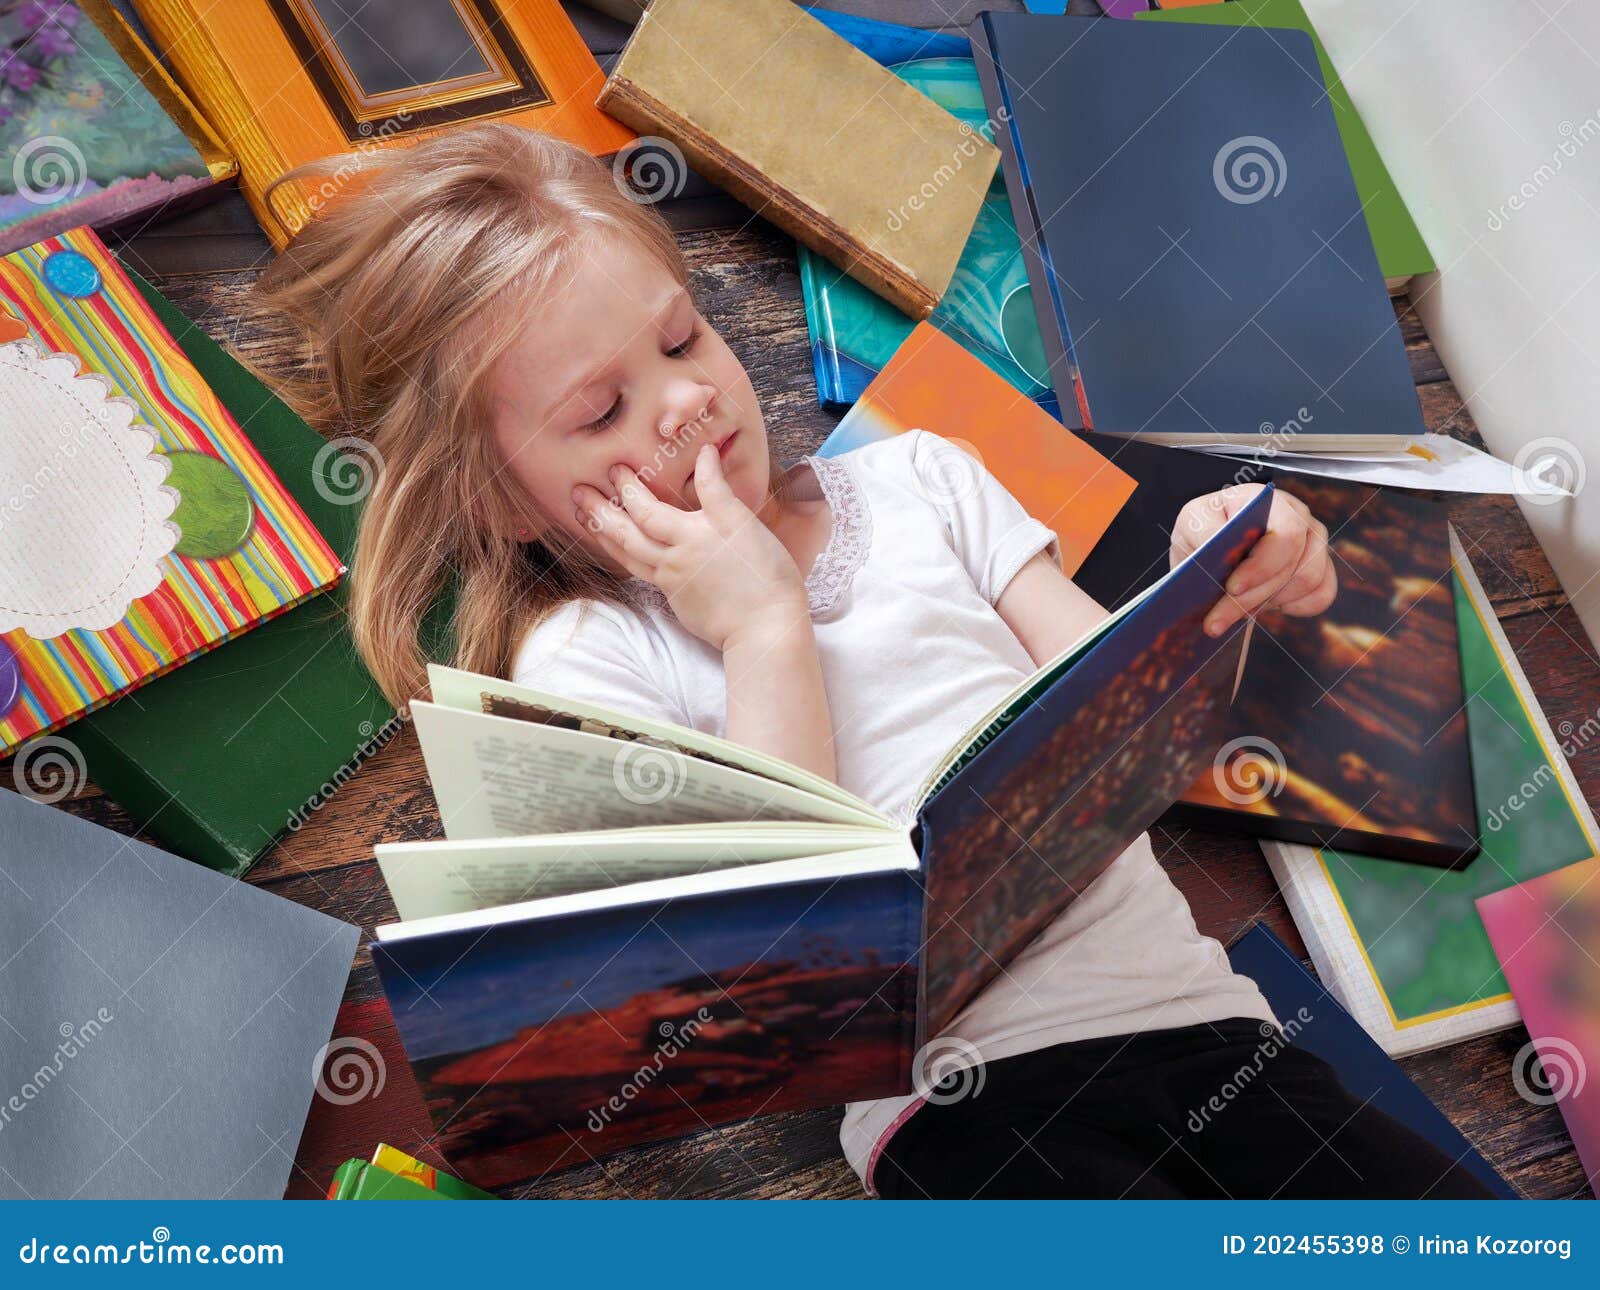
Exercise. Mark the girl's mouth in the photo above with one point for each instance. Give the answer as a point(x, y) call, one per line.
point(726, 445)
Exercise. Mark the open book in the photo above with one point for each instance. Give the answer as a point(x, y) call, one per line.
point(636, 930)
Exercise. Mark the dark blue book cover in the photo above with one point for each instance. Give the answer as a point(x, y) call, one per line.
point(1312, 1019)
point(1194, 236)
point(1090, 761)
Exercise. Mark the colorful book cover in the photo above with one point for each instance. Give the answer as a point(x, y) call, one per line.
point(174, 759)
point(1309, 1018)
point(987, 306)
point(359, 1180)
point(401, 1165)
point(1546, 932)
point(1401, 251)
point(1350, 730)
point(1231, 300)
point(1403, 947)
point(96, 132)
point(147, 528)
point(291, 82)
point(932, 382)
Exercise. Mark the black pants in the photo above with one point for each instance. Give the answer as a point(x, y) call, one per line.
point(1217, 1111)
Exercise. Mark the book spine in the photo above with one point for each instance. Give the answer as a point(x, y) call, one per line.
point(185, 41)
point(155, 809)
point(1053, 331)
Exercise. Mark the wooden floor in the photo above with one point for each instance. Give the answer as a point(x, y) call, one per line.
point(745, 277)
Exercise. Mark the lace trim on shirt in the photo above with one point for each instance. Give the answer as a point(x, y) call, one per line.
point(849, 541)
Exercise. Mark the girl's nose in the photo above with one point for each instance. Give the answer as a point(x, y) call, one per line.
point(687, 404)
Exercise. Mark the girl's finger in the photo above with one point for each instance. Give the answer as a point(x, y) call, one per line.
point(661, 521)
point(611, 523)
point(1309, 572)
point(611, 547)
point(1317, 600)
point(710, 484)
point(1274, 567)
point(1270, 562)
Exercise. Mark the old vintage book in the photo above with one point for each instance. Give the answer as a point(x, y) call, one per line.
point(872, 175)
point(287, 82)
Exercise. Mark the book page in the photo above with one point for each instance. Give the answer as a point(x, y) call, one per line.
point(431, 878)
point(471, 692)
point(500, 777)
point(896, 856)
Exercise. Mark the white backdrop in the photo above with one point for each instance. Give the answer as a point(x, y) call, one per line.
point(1488, 116)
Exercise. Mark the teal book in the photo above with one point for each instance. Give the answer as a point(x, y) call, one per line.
point(221, 755)
point(987, 307)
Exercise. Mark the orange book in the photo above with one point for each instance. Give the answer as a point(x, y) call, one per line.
point(933, 383)
point(283, 83)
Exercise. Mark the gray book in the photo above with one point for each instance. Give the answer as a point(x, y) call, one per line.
point(160, 1024)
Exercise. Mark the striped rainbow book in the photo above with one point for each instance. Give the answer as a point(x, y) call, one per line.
point(138, 525)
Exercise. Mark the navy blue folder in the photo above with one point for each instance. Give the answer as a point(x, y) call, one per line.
point(1313, 1020)
point(1194, 238)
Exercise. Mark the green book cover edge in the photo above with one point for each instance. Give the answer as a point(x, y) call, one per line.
point(226, 823)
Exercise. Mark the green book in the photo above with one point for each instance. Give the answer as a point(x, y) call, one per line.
point(358, 1180)
point(1401, 251)
point(221, 755)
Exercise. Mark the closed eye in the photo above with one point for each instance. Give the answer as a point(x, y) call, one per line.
point(606, 417)
point(678, 351)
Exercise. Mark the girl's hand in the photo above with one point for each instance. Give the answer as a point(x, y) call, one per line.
point(725, 574)
point(1288, 569)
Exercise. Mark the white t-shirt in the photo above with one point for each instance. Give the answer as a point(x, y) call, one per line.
point(924, 540)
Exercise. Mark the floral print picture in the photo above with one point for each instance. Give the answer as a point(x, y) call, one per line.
point(86, 142)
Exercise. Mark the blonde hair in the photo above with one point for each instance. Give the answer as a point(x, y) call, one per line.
point(392, 293)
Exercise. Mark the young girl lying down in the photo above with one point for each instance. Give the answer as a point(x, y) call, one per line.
point(564, 435)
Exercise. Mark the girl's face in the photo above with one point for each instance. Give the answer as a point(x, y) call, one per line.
point(621, 370)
